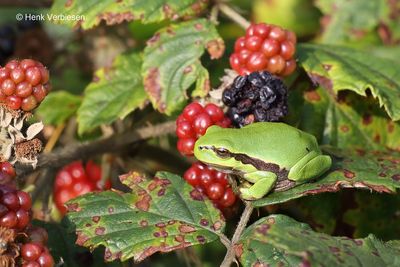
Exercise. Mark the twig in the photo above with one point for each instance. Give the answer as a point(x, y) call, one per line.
point(54, 138)
point(225, 241)
point(43, 184)
point(214, 14)
point(113, 143)
point(233, 15)
point(230, 254)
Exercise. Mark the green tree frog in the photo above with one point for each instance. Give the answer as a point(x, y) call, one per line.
point(261, 154)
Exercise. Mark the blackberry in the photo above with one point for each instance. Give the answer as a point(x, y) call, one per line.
point(212, 183)
point(259, 96)
point(194, 121)
point(265, 47)
point(23, 84)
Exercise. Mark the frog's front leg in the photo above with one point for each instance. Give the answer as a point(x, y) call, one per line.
point(263, 182)
point(310, 166)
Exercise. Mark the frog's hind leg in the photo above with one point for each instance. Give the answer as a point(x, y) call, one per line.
point(263, 183)
point(310, 166)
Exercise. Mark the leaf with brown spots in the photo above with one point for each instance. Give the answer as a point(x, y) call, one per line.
point(158, 215)
point(172, 63)
point(114, 93)
point(372, 170)
point(353, 70)
point(278, 240)
point(117, 11)
point(352, 122)
point(360, 22)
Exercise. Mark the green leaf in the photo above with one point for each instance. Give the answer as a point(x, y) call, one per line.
point(159, 215)
point(58, 107)
point(172, 62)
point(338, 68)
point(374, 170)
point(374, 213)
point(354, 22)
point(113, 94)
point(279, 240)
point(90, 13)
point(352, 122)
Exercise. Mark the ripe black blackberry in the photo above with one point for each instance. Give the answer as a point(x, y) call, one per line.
point(259, 96)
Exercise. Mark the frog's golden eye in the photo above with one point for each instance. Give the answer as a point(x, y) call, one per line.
point(222, 152)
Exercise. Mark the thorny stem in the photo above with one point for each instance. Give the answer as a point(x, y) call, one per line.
point(113, 143)
point(233, 15)
point(244, 219)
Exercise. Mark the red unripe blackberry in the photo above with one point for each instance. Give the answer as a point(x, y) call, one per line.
point(265, 47)
point(228, 199)
point(31, 251)
point(194, 122)
point(23, 84)
point(212, 183)
point(15, 208)
point(35, 254)
point(74, 180)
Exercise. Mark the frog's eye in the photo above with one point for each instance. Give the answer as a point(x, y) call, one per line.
point(222, 152)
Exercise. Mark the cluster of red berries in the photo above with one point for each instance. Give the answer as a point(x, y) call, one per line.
point(212, 183)
point(23, 84)
point(193, 123)
point(15, 215)
point(74, 180)
point(35, 254)
point(265, 47)
point(15, 208)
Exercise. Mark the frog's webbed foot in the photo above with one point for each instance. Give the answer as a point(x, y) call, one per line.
point(264, 182)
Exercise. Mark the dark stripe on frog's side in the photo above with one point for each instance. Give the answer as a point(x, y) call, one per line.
point(283, 183)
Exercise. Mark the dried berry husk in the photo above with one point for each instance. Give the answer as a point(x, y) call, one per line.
point(9, 249)
point(257, 97)
point(18, 142)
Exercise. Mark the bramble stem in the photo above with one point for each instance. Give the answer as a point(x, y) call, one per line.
point(65, 155)
point(244, 219)
point(233, 15)
point(225, 241)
